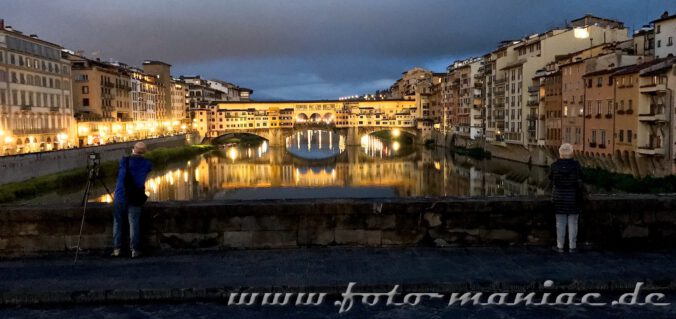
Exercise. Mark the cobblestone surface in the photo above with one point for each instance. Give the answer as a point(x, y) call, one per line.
point(215, 310)
point(210, 276)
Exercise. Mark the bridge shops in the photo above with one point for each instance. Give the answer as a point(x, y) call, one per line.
point(274, 119)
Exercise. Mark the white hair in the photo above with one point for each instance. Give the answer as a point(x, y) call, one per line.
point(566, 150)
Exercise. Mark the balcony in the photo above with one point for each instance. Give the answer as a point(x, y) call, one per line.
point(26, 107)
point(533, 89)
point(653, 88)
point(652, 117)
point(651, 150)
point(108, 84)
point(54, 109)
point(532, 103)
point(532, 117)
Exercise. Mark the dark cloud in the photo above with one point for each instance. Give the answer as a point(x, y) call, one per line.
point(303, 49)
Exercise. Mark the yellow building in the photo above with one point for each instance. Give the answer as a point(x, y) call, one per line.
point(219, 118)
point(36, 109)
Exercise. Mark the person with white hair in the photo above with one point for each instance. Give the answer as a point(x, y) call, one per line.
point(129, 198)
point(567, 195)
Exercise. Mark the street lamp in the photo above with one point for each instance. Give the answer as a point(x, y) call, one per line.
point(583, 33)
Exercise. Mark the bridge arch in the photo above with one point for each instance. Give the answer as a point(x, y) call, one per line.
point(328, 118)
point(223, 138)
point(302, 118)
point(315, 118)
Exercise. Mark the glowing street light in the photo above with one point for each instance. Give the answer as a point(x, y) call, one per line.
point(396, 132)
point(581, 33)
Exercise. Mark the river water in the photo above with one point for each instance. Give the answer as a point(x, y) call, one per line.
point(318, 164)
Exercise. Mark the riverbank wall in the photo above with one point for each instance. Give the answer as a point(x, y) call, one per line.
point(17, 168)
point(630, 164)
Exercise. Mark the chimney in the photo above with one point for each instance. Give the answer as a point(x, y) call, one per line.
point(34, 36)
point(665, 14)
point(2, 23)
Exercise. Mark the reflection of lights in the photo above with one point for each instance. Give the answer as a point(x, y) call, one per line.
point(364, 140)
point(437, 165)
point(395, 146)
point(107, 198)
point(396, 132)
point(232, 154)
point(197, 174)
point(185, 177)
point(9, 140)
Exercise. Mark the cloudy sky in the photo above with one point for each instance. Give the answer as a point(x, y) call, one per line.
point(303, 49)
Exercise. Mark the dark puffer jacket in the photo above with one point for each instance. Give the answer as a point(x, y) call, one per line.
point(566, 176)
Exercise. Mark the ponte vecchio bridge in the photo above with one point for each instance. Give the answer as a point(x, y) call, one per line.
point(277, 120)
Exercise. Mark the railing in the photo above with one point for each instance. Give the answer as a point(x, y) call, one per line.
point(26, 107)
point(54, 109)
point(36, 131)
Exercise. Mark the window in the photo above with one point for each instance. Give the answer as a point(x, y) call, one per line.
point(670, 41)
point(610, 107)
point(85, 102)
point(593, 137)
point(659, 29)
point(629, 136)
point(598, 107)
point(85, 89)
point(659, 43)
point(599, 81)
point(602, 139)
point(621, 136)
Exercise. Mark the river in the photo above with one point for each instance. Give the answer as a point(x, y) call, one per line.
point(318, 164)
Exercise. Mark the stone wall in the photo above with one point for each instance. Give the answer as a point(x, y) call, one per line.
point(21, 167)
point(645, 222)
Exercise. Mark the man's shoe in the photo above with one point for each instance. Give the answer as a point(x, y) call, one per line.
point(116, 253)
point(558, 250)
point(135, 254)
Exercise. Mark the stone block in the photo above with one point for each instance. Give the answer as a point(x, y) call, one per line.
point(358, 237)
point(401, 237)
point(432, 219)
point(316, 237)
point(190, 240)
point(382, 221)
point(275, 239)
point(94, 242)
point(635, 232)
point(238, 239)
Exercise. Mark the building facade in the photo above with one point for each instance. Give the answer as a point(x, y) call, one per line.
point(665, 33)
point(36, 103)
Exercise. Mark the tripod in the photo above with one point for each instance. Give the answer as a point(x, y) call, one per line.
point(93, 174)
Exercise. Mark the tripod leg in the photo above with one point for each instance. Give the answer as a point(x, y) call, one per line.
point(85, 199)
point(106, 187)
point(85, 196)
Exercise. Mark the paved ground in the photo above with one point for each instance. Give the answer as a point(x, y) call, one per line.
point(214, 310)
point(198, 282)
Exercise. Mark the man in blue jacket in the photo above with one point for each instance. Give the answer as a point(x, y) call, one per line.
point(130, 197)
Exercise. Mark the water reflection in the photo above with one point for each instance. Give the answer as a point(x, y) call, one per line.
point(355, 172)
point(315, 144)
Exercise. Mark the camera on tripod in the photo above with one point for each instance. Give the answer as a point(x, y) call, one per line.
point(93, 159)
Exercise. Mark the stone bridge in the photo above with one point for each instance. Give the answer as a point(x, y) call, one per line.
point(353, 135)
